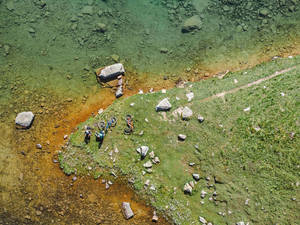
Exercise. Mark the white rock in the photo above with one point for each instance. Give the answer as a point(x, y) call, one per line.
point(290, 56)
point(132, 104)
point(164, 91)
point(164, 105)
point(187, 113)
point(202, 220)
point(119, 92)
point(156, 160)
point(200, 119)
point(147, 183)
point(282, 94)
point(148, 164)
point(235, 81)
point(187, 188)
point(190, 96)
point(143, 150)
point(24, 119)
point(152, 155)
point(127, 211)
point(196, 176)
point(155, 217)
point(247, 109)
point(65, 137)
point(177, 98)
point(112, 72)
point(181, 137)
point(100, 111)
point(141, 92)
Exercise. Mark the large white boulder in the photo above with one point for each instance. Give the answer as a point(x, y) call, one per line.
point(164, 105)
point(112, 72)
point(24, 119)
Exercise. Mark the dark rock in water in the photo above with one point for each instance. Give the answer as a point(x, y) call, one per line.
point(24, 119)
point(111, 72)
point(191, 24)
point(127, 211)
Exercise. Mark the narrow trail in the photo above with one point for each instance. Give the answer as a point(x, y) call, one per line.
point(222, 94)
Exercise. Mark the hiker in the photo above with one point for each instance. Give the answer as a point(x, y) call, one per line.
point(87, 135)
point(100, 136)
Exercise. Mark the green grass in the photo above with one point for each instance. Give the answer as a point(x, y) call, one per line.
point(262, 166)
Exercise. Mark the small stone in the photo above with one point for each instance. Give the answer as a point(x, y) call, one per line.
point(156, 160)
point(152, 188)
point(152, 155)
point(181, 137)
point(106, 186)
point(247, 201)
point(100, 111)
point(191, 24)
point(191, 164)
point(202, 220)
point(247, 109)
point(200, 119)
point(39, 146)
point(148, 164)
point(74, 178)
point(141, 92)
point(164, 91)
point(65, 137)
point(235, 81)
point(203, 193)
point(164, 50)
point(143, 150)
point(38, 212)
point(187, 189)
point(127, 211)
point(190, 96)
point(109, 182)
point(155, 217)
point(132, 104)
point(147, 183)
point(196, 176)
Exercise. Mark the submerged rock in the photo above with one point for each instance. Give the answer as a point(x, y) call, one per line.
point(24, 119)
point(191, 24)
point(127, 211)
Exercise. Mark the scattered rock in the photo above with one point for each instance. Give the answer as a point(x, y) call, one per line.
point(148, 164)
point(181, 137)
point(38, 212)
point(203, 193)
point(147, 183)
point(155, 217)
point(132, 104)
point(119, 92)
point(191, 164)
point(247, 109)
point(164, 105)
point(65, 137)
point(164, 50)
point(127, 211)
point(196, 176)
point(187, 189)
point(24, 120)
point(152, 155)
point(143, 150)
point(191, 24)
point(39, 146)
point(106, 186)
point(190, 96)
point(156, 160)
point(74, 178)
point(202, 220)
point(187, 113)
point(200, 119)
point(164, 91)
point(101, 27)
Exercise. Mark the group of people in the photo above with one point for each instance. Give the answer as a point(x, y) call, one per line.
point(99, 136)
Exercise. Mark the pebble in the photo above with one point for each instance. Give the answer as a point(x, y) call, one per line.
point(200, 119)
point(202, 220)
point(155, 217)
point(39, 146)
point(65, 137)
point(181, 137)
point(196, 176)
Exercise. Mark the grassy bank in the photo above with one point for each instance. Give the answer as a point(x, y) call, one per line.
point(248, 161)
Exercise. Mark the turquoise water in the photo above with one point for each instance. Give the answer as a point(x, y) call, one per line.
point(49, 50)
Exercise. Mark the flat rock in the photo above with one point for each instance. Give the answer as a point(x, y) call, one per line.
point(191, 24)
point(190, 96)
point(164, 105)
point(24, 119)
point(111, 72)
point(200, 119)
point(127, 211)
point(187, 113)
point(202, 220)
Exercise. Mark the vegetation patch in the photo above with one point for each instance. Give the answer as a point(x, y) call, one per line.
point(242, 161)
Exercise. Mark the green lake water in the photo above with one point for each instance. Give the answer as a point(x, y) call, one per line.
point(49, 49)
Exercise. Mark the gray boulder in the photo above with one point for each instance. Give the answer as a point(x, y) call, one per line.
point(187, 113)
point(111, 72)
point(164, 105)
point(24, 119)
point(127, 211)
point(191, 24)
point(119, 92)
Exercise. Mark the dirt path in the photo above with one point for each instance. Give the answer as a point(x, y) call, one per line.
point(222, 94)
